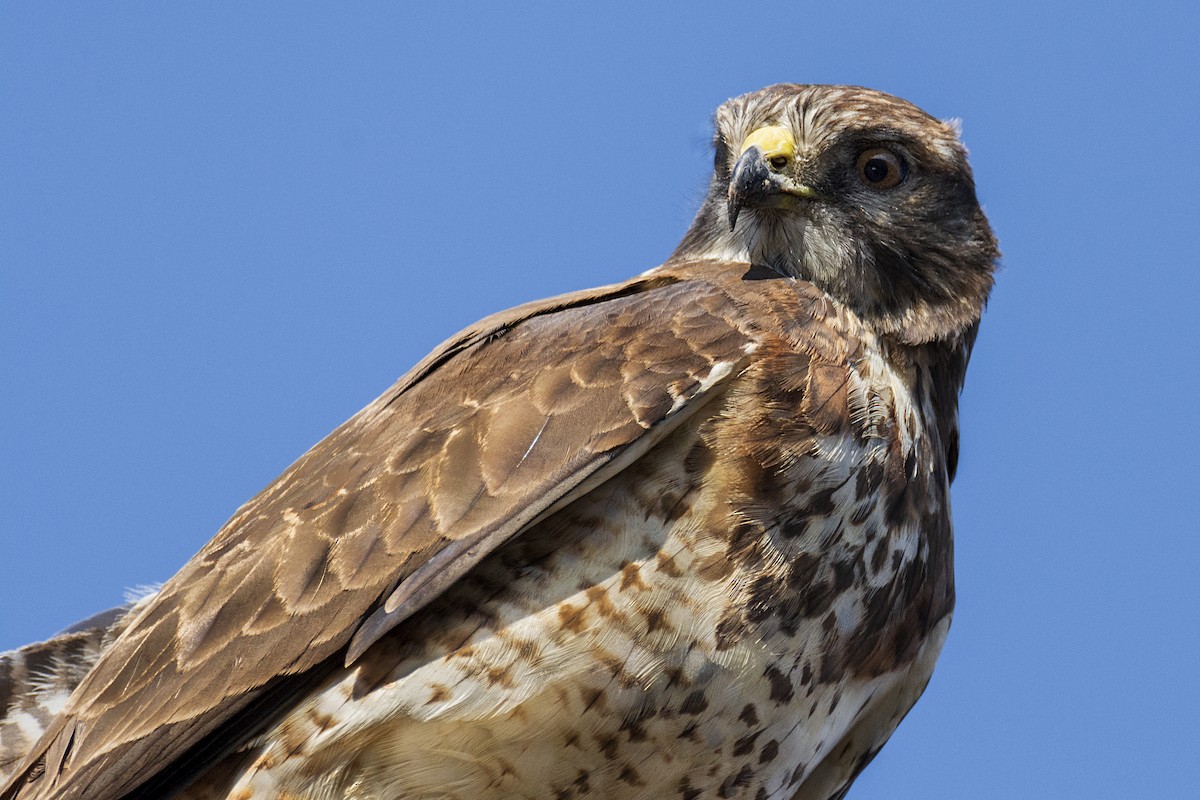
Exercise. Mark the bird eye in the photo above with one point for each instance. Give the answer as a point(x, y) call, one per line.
point(880, 169)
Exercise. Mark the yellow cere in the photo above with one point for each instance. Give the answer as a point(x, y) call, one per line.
point(773, 140)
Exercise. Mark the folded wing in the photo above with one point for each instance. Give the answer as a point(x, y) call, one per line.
point(502, 424)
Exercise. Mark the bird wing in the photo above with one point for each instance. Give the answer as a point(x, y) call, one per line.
point(35, 680)
point(501, 425)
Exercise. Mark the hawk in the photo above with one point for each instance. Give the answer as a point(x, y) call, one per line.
point(685, 536)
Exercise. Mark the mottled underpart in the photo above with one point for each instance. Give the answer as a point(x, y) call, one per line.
point(710, 622)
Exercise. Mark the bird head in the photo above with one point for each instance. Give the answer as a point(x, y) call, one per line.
point(859, 192)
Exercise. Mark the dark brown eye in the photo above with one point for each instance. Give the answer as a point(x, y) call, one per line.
point(880, 169)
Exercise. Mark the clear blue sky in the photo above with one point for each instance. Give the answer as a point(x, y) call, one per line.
point(224, 230)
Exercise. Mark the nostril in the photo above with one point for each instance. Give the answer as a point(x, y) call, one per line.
point(778, 162)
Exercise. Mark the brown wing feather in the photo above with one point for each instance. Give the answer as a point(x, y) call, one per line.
point(488, 432)
point(37, 678)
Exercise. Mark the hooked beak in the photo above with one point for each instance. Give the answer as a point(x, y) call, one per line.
point(760, 178)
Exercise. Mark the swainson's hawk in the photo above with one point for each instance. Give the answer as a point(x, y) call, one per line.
point(685, 536)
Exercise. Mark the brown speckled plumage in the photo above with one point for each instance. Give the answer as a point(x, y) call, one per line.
point(36, 680)
point(686, 536)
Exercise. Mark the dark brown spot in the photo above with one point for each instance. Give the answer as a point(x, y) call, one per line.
point(291, 739)
point(614, 663)
point(734, 782)
point(501, 676)
point(764, 598)
point(793, 527)
point(526, 648)
point(817, 599)
point(608, 745)
point(322, 720)
point(803, 571)
point(868, 481)
point(745, 543)
point(820, 504)
point(879, 556)
point(631, 575)
point(745, 744)
point(629, 775)
point(666, 565)
point(656, 620)
point(634, 730)
point(592, 697)
point(797, 774)
point(768, 752)
point(729, 631)
point(843, 576)
point(570, 617)
point(582, 781)
point(694, 703)
point(749, 714)
point(672, 508)
point(598, 596)
point(781, 685)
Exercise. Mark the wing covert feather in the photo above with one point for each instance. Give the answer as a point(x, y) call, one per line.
point(488, 432)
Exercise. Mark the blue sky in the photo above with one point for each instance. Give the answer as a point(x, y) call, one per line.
point(224, 229)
